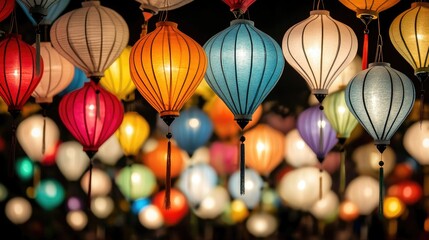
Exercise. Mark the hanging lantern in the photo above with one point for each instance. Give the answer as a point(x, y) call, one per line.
point(416, 141)
point(179, 206)
point(319, 48)
point(49, 193)
point(136, 181)
point(117, 78)
point(409, 34)
point(223, 157)
point(192, 129)
point(6, 8)
point(262, 224)
point(110, 151)
point(362, 191)
point(18, 210)
point(100, 182)
point(366, 158)
point(253, 184)
point(244, 66)
point(167, 66)
point(71, 160)
point(265, 149)
point(91, 37)
point(366, 11)
point(132, 133)
point(297, 152)
point(380, 98)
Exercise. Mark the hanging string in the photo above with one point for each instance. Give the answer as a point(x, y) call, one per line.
point(15, 114)
point(44, 132)
point(379, 51)
point(38, 57)
point(318, 5)
point(342, 166)
point(423, 77)
point(242, 165)
point(381, 182)
point(89, 182)
point(167, 201)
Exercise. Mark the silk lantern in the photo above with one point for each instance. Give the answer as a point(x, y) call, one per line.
point(366, 11)
point(297, 152)
point(416, 141)
point(362, 191)
point(262, 224)
point(132, 133)
point(43, 12)
point(136, 181)
point(102, 206)
point(253, 184)
point(319, 48)
point(409, 34)
point(71, 160)
point(110, 152)
point(214, 204)
point(380, 98)
point(167, 66)
point(49, 193)
point(366, 158)
point(244, 66)
point(6, 8)
point(77, 219)
point(91, 37)
point(151, 217)
point(100, 182)
point(223, 157)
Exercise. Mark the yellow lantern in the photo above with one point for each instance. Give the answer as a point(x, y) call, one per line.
point(132, 133)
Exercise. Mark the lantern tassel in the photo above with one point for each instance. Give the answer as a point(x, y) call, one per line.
point(422, 104)
point(342, 172)
point(320, 184)
point(381, 192)
point(38, 58)
point(89, 183)
point(365, 49)
point(242, 166)
point(44, 133)
point(167, 199)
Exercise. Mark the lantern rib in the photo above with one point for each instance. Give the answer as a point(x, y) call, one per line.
point(29, 89)
point(319, 85)
point(417, 40)
point(310, 81)
point(365, 107)
point(385, 133)
point(6, 92)
point(86, 136)
point(237, 87)
point(87, 45)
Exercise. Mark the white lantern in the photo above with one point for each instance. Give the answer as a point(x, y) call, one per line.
point(18, 210)
point(151, 217)
point(297, 152)
point(214, 204)
point(261, 224)
point(101, 184)
point(102, 206)
point(77, 219)
point(416, 141)
point(364, 192)
point(367, 158)
point(252, 184)
point(71, 160)
point(326, 207)
point(110, 151)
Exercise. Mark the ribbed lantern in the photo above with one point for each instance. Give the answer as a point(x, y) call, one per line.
point(6, 8)
point(409, 34)
point(319, 48)
point(380, 98)
point(167, 66)
point(91, 37)
point(132, 133)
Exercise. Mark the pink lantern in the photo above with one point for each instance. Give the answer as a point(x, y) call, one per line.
point(223, 157)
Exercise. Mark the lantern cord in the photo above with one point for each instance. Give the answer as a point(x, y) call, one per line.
point(38, 58)
point(97, 99)
point(242, 166)
point(318, 4)
point(365, 48)
point(167, 201)
point(342, 167)
point(44, 132)
point(423, 77)
point(381, 192)
point(15, 114)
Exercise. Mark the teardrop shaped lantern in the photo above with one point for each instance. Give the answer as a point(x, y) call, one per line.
point(366, 11)
point(6, 8)
point(132, 133)
point(167, 66)
point(380, 98)
point(409, 34)
point(319, 48)
point(244, 66)
point(91, 37)
point(91, 114)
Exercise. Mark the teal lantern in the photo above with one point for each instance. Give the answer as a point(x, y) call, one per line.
point(49, 193)
point(43, 12)
point(244, 66)
point(24, 168)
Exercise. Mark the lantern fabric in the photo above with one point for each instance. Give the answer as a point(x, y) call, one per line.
point(363, 192)
point(416, 141)
point(265, 148)
point(156, 6)
point(214, 204)
point(132, 133)
point(43, 11)
point(71, 160)
point(253, 187)
point(19, 78)
point(99, 184)
point(244, 66)
point(91, 114)
point(262, 224)
point(79, 79)
point(6, 8)
point(58, 73)
point(91, 37)
point(136, 181)
point(380, 98)
point(117, 78)
point(18, 210)
point(366, 158)
point(297, 153)
point(368, 7)
point(150, 217)
point(319, 48)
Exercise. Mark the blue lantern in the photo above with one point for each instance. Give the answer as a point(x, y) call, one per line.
point(192, 129)
point(79, 79)
point(49, 194)
point(43, 12)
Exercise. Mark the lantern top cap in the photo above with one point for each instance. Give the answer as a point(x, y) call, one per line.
point(242, 21)
point(319, 12)
point(366, 13)
point(166, 23)
point(379, 64)
point(420, 4)
point(91, 3)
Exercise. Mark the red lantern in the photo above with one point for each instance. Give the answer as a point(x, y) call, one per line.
point(6, 8)
point(408, 191)
point(178, 208)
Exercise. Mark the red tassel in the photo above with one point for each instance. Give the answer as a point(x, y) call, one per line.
point(365, 50)
point(167, 201)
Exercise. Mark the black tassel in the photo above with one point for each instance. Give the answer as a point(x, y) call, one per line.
point(38, 58)
point(342, 172)
point(242, 166)
point(89, 183)
point(44, 135)
point(381, 197)
point(167, 200)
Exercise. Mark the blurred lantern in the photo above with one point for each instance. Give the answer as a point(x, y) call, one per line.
point(346, 75)
point(239, 211)
point(102, 206)
point(156, 160)
point(297, 187)
point(319, 48)
point(317, 132)
point(201, 155)
point(79, 79)
point(223, 157)
point(408, 191)
point(363, 192)
point(253, 187)
point(94, 52)
point(348, 210)
point(110, 151)
point(150, 8)
point(243, 57)
point(367, 157)
point(100, 183)
point(213, 204)
point(297, 152)
point(24, 168)
point(196, 182)
point(192, 129)
point(37, 135)
point(326, 208)
point(167, 66)
point(266, 149)
point(6, 8)
point(77, 219)
point(18, 210)
point(151, 217)
point(117, 78)
point(380, 98)
point(366, 11)
point(139, 204)
point(270, 200)
point(74, 203)
point(204, 91)
point(178, 208)
point(3, 192)
point(409, 34)
point(132, 133)
point(416, 141)
point(92, 115)
point(135, 181)
point(49, 193)
point(393, 209)
point(71, 160)
point(261, 224)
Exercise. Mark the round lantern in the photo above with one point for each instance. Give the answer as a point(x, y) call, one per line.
point(110, 151)
point(213, 204)
point(117, 78)
point(91, 37)
point(348, 210)
point(77, 219)
point(132, 133)
point(408, 191)
point(25, 168)
point(102, 206)
point(49, 193)
point(297, 152)
point(327, 207)
point(178, 209)
point(366, 158)
point(253, 187)
point(18, 210)
point(393, 207)
point(151, 217)
point(265, 148)
point(363, 192)
point(6, 8)
point(319, 48)
point(223, 157)
point(135, 181)
point(416, 141)
point(71, 160)
point(261, 224)
point(100, 183)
